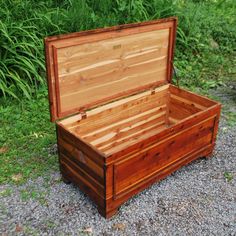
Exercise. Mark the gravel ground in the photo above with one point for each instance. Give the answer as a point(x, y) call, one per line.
point(199, 199)
point(196, 200)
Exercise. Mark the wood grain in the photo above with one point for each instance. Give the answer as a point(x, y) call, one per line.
point(112, 113)
point(132, 171)
point(127, 123)
point(139, 133)
point(125, 146)
point(93, 68)
point(113, 204)
point(101, 70)
point(175, 126)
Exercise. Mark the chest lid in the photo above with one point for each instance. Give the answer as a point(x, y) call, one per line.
point(90, 68)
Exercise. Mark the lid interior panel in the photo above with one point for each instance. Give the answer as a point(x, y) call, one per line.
point(91, 69)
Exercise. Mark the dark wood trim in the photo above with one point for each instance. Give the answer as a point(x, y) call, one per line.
point(108, 29)
point(49, 82)
point(57, 86)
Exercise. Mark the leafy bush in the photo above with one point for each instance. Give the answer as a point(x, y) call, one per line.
point(205, 28)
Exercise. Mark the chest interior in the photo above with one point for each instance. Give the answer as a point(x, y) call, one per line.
point(127, 71)
point(120, 124)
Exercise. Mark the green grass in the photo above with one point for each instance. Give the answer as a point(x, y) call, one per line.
point(6, 193)
point(205, 58)
point(26, 135)
point(228, 176)
point(34, 194)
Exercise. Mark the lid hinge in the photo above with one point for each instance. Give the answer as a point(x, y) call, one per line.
point(83, 114)
point(153, 91)
point(175, 73)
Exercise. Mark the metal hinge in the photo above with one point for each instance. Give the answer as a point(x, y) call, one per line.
point(175, 72)
point(83, 114)
point(153, 91)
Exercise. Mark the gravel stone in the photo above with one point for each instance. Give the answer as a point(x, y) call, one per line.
point(196, 200)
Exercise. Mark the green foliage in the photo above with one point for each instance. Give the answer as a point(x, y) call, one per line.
point(205, 28)
point(6, 192)
point(26, 138)
point(231, 118)
point(23, 25)
point(205, 57)
point(228, 176)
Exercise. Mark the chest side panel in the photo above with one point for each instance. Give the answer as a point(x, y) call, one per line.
point(131, 172)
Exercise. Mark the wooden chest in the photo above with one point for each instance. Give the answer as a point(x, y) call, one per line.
point(121, 124)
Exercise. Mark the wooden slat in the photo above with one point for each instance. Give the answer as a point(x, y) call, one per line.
point(129, 173)
point(85, 162)
point(181, 107)
point(132, 49)
point(121, 152)
point(89, 150)
point(129, 130)
point(93, 94)
point(94, 67)
point(131, 138)
point(86, 126)
point(194, 98)
point(188, 101)
point(126, 124)
point(95, 77)
point(114, 107)
point(177, 112)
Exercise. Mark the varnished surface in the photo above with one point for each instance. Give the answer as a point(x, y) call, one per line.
point(91, 72)
point(125, 124)
point(92, 68)
point(112, 167)
point(141, 132)
point(113, 204)
point(149, 161)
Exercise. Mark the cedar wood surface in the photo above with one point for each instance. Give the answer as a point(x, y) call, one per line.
point(123, 146)
point(113, 177)
point(107, 64)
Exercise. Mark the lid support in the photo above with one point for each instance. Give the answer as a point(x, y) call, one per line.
point(83, 114)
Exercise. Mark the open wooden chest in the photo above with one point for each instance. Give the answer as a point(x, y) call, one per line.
point(121, 125)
